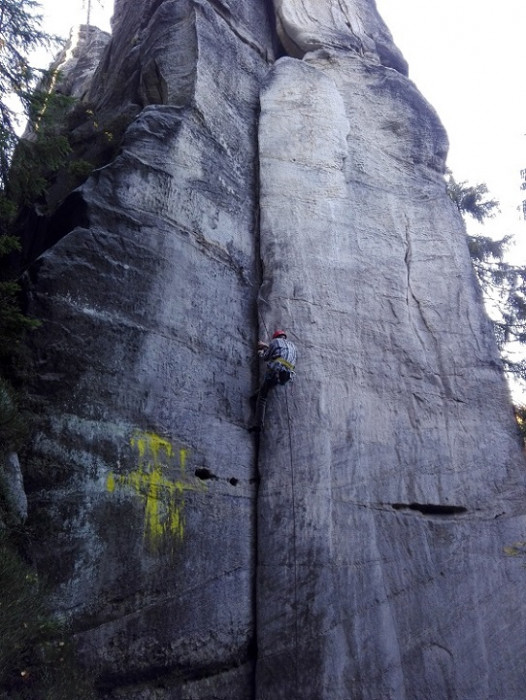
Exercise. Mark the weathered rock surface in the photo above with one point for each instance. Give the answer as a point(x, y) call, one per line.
point(357, 552)
point(353, 25)
point(78, 60)
point(142, 463)
point(380, 496)
point(13, 487)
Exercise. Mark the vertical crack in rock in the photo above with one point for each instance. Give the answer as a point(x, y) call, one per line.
point(362, 258)
point(178, 569)
point(414, 303)
point(145, 363)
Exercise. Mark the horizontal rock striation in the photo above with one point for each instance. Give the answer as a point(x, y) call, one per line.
point(276, 168)
point(351, 25)
point(144, 365)
point(374, 466)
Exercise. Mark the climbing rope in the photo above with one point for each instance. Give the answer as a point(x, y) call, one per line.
point(293, 500)
point(263, 322)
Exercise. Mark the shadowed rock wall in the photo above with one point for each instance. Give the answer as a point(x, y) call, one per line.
point(357, 551)
point(144, 365)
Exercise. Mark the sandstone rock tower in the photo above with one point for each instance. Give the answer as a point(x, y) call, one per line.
point(277, 167)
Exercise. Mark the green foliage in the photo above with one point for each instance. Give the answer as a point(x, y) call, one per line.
point(21, 612)
point(36, 661)
point(14, 324)
point(471, 199)
point(503, 285)
point(80, 168)
point(24, 165)
point(13, 428)
point(504, 288)
point(34, 162)
point(20, 33)
point(44, 152)
point(520, 416)
point(517, 549)
point(26, 95)
point(485, 250)
point(8, 244)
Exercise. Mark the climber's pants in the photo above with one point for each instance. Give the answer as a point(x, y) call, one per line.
point(271, 378)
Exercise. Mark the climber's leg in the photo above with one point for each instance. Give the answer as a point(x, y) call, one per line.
point(261, 407)
point(269, 381)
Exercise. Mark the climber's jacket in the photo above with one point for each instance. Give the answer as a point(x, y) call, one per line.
point(281, 353)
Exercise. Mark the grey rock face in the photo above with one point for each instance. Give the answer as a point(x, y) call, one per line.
point(13, 487)
point(79, 59)
point(378, 491)
point(142, 463)
point(357, 551)
point(354, 25)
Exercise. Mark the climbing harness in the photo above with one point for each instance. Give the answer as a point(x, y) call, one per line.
point(285, 364)
point(290, 369)
point(293, 499)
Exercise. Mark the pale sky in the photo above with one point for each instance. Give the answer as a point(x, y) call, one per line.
point(58, 18)
point(60, 15)
point(467, 58)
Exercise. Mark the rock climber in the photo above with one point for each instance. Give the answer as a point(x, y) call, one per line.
point(280, 355)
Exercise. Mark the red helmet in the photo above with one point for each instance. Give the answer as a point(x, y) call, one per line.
point(278, 334)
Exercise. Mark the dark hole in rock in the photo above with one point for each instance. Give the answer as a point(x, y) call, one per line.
point(234, 481)
point(430, 508)
point(204, 474)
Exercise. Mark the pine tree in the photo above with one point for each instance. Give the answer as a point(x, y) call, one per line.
point(26, 97)
point(23, 163)
point(20, 33)
point(470, 199)
point(503, 285)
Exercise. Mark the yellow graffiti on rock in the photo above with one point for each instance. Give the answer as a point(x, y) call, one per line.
point(163, 497)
